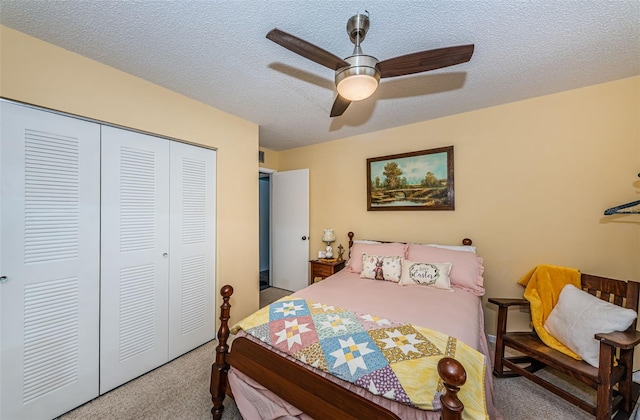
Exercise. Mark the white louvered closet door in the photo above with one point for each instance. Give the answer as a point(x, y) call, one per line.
point(49, 253)
point(192, 279)
point(135, 262)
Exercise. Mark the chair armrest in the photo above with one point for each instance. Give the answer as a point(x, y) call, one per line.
point(503, 311)
point(505, 303)
point(621, 339)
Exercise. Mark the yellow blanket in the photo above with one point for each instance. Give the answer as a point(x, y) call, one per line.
point(543, 285)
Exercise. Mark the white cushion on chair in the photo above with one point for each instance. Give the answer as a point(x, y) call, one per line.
point(578, 316)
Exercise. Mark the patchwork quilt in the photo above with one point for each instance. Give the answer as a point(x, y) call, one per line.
point(393, 359)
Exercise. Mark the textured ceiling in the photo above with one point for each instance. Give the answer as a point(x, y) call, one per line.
point(216, 52)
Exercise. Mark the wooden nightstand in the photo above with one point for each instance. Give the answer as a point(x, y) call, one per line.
point(323, 269)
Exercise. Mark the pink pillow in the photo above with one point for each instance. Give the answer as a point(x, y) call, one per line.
point(466, 267)
point(393, 249)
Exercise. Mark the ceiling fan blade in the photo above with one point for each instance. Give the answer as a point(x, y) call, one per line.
point(425, 61)
point(339, 106)
point(306, 49)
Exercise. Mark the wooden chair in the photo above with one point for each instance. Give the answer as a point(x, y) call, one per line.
point(537, 355)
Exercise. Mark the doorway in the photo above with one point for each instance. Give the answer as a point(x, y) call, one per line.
point(264, 182)
point(283, 228)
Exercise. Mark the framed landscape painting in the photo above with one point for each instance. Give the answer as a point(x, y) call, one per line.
point(420, 180)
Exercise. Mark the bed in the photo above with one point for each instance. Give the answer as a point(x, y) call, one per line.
point(268, 383)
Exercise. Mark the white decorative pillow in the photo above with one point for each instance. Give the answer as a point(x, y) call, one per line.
point(426, 274)
point(381, 268)
point(466, 267)
point(578, 316)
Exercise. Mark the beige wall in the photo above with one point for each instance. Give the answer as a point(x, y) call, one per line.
point(39, 73)
point(532, 180)
point(271, 159)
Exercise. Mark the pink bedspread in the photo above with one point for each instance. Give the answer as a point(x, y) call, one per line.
point(457, 313)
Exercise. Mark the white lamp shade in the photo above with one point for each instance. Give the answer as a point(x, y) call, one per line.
point(328, 235)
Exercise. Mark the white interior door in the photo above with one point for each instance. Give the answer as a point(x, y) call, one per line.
point(290, 229)
point(49, 253)
point(135, 255)
point(192, 255)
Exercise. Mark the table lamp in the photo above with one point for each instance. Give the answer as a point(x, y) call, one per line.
point(328, 237)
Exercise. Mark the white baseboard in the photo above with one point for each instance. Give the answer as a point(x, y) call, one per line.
point(492, 338)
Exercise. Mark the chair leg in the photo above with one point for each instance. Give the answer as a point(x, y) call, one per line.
point(605, 390)
point(498, 368)
point(626, 382)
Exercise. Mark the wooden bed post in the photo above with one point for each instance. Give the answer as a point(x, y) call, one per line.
point(350, 235)
point(454, 376)
point(220, 367)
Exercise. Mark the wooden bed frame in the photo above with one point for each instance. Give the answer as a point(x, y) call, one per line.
point(314, 395)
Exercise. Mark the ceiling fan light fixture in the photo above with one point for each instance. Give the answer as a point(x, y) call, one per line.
point(360, 80)
point(357, 87)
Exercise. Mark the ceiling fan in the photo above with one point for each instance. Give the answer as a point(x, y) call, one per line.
point(358, 75)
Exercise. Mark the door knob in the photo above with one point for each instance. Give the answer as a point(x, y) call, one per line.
point(304, 238)
point(3, 279)
point(164, 254)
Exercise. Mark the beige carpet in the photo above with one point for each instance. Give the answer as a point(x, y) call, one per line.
point(519, 398)
point(179, 390)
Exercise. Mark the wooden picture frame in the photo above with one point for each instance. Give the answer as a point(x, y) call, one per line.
point(421, 180)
